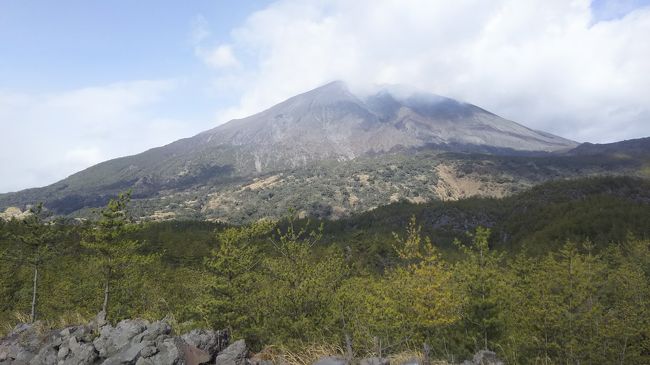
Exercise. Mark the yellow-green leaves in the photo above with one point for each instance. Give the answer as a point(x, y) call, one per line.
point(409, 303)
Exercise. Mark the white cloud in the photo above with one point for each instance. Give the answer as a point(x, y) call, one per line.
point(219, 57)
point(545, 64)
point(50, 136)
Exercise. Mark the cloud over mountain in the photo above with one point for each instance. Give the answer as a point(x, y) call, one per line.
point(52, 135)
point(551, 64)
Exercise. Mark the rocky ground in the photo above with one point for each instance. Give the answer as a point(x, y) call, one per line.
point(140, 342)
point(129, 342)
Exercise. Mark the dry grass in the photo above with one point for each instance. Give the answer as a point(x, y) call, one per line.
point(408, 355)
point(42, 326)
point(404, 356)
point(307, 355)
point(8, 326)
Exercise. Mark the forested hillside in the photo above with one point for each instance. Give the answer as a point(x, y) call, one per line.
point(334, 189)
point(557, 274)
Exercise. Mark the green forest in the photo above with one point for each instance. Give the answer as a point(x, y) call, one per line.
point(556, 274)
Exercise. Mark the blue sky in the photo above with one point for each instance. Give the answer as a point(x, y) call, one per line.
point(51, 46)
point(86, 81)
point(608, 9)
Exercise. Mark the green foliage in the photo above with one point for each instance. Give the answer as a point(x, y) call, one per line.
point(575, 306)
point(34, 244)
point(293, 283)
point(481, 280)
point(411, 303)
point(116, 256)
point(233, 278)
point(601, 210)
point(424, 284)
point(298, 286)
point(282, 295)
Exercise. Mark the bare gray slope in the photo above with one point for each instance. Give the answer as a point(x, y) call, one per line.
point(332, 123)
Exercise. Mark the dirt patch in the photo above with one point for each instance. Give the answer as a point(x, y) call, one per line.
point(451, 186)
point(353, 200)
point(260, 183)
point(160, 215)
point(417, 199)
point(14, 213)
point(364, 179)
point(338, 212)
point(219, 200)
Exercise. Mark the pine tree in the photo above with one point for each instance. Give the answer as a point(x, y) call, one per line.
point(427, 293)
point(232, 276)
point(411, 303)
point(627, 299)
point(299, 287)
point(36, 243)
point(111, 249)
point(564, 311)
point(479, 275)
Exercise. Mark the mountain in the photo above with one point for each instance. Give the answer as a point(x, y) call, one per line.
point(328, 152)
point(629, 148)
point(332, 123)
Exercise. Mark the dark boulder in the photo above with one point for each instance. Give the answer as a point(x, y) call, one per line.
point(130, 342)
point(234, 354)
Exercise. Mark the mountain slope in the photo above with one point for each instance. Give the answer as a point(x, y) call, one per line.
point(303, 140)
point(629, 148)
point(332, 123)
